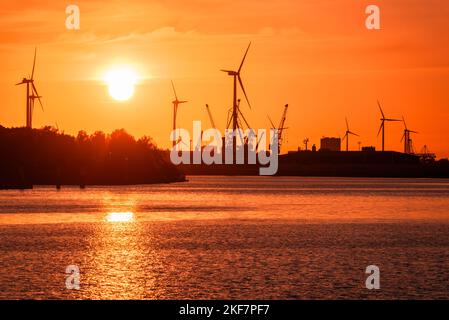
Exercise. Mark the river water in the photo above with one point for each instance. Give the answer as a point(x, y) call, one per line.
point(228, 238)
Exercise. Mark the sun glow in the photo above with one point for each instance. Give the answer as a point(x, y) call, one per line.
point(121, 82)
point(120, 217)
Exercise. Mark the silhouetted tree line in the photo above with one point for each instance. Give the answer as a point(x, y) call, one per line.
point(47, 156)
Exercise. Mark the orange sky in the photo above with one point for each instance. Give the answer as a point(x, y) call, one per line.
point(315, 55)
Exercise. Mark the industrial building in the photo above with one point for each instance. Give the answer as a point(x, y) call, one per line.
point(330, 144)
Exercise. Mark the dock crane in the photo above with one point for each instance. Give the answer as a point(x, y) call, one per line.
point(280, 129)
point(212, 122)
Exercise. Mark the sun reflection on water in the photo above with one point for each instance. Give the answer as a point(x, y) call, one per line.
point(120, 217)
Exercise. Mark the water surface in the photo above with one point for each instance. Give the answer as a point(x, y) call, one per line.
point(229, 237)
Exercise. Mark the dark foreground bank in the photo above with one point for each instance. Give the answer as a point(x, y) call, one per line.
point(388, 164)
point(48, 157)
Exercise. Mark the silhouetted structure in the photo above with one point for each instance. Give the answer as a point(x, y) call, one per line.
point(48, 157)
point(236, 113)
point(366, 163)
point(382, 125)
point(408, 143)
point(306, 142)
point(347, 134)
point(330, 144)
point(31, 95)
point(176, 104)
point(280, 128)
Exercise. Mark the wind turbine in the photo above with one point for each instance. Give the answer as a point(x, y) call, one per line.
point(176, 103)
point(382, 125)
point(347, 134)
point(32, 94)
point(236, 77)
point(406, 138)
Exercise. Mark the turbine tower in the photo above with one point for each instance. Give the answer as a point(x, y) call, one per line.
point(406, 138)
point(347, 134)
point(382, 125)
point(176, 103)
point(236, 77)
point(31, 95)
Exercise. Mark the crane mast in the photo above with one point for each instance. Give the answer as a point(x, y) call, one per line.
point(210, 117)
point(281, 128)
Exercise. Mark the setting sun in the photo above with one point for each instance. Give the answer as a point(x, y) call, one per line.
point(121, 82)
point(120, 217)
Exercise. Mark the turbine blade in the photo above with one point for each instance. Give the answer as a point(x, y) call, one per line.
point(381, 111)
point(380, 129)
point(403, 136)
point(244, 57)
point(353, 133)
point(37, 96)
point(227, 71)
point(347, 124)
point(405, 124)
point(244, 92)
point(174, 90)
point(395, 120)
point(34, 63)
